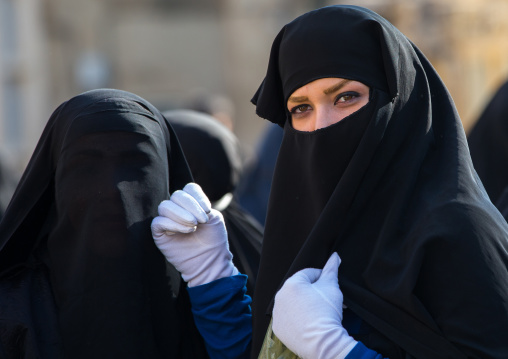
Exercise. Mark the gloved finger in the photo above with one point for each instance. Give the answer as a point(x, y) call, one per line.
point(186, 201)
point(173, 211)
point(331, 268)
point(197, 193)
point(305, 276)
point(164, 226)
point(215, 216)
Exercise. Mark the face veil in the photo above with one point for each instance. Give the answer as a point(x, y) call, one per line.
point(408, 198)
point(81, 215)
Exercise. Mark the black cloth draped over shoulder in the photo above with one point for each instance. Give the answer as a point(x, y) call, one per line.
point(424, 251)
point(80, 275)
point(488, 144)
point(213, 154)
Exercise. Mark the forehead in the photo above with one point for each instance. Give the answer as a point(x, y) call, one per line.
point(328, 84)
point(116, 128)
point(110, 143)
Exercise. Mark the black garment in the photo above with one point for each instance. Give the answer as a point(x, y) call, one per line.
point(424, 251)
point(488, 144)
point(213, 154)
point(84, 276)
point(253, 189)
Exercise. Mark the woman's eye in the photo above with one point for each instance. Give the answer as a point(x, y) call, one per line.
point(346, 97)
point(299, 109)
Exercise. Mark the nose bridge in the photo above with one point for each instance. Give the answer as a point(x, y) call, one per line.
point(322, 117)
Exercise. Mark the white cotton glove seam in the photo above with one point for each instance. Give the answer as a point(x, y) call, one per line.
point(333, 305)
point(344, 352)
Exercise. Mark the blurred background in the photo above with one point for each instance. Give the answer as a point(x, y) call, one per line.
point(209, 55)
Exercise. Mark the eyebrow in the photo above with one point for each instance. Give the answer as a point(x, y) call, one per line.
point(336, 87)
point(298, 98)
point(327, 91)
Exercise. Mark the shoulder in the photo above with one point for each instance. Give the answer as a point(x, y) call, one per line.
point(465, 223)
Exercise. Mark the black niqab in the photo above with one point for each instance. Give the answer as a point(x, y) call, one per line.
point(81, 217)
point(424, 251)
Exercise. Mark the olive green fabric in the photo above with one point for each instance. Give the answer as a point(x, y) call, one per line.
point(273, 348)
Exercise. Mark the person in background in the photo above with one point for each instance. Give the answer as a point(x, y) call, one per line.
point(488, 144)
point(213, 154)
point(374, 174)
point(253, 189)
point(80, 276)
point(219, 106)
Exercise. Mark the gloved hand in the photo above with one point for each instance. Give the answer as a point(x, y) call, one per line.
point(307, 314)
point(192, 236)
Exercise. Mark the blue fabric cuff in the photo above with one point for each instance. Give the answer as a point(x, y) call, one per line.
point(360, 351)
point(222, 314)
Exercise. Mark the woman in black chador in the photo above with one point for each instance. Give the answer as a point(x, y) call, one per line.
point(373, 166)
point(80, 275)
point(488, 144)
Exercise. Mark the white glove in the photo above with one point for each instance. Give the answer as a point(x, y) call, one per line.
point(192, 236)
point(307, 314)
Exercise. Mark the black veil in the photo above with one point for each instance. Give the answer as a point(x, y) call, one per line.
point(79, 269)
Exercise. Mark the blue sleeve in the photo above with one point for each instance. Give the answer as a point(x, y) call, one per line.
point(360, 351)
point(222, 314)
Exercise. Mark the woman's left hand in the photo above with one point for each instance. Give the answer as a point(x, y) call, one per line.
point(307, 315)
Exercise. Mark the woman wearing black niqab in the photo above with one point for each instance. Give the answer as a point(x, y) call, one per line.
point(80, 274)
point(488, 144)
point(391, 189)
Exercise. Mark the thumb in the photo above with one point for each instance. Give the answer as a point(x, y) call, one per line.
point(331, 268)
point(305, 276)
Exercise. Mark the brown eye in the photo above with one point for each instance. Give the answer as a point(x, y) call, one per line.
point(300, 109)
point(346, 97)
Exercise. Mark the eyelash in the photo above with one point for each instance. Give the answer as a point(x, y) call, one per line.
point(352, 94)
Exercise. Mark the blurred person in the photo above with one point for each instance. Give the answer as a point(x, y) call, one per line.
point(488, 145)
point(80, 276)
point(254, 186)
point(373, 167)
point(221, 107)
point(213, 154)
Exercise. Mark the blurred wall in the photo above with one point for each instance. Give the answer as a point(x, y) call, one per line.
point(465, 40)
point(175, 52)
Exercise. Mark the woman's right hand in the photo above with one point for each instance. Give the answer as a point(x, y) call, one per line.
point(307, 314)
point(193, 237)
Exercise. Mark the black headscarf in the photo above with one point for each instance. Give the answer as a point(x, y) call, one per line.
point(488, 144)
point(424, 252)
point(213, 154)
point(81, 217)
